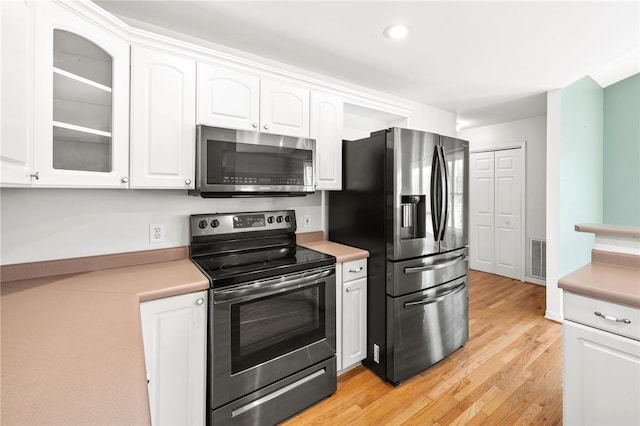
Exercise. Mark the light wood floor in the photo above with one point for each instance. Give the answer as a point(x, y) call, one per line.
point(509, 373)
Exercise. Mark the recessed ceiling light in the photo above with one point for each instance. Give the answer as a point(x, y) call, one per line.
point(396, 32)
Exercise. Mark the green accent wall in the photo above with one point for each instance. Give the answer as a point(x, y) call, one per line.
point(581, 171)
point(622, 152)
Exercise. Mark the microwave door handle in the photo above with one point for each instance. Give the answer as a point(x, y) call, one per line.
point(271, 286)
point(423, 268)
point(440, 298)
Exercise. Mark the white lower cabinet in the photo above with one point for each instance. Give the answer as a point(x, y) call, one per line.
point(175, 347)
point(601, 367)
point(351, 309)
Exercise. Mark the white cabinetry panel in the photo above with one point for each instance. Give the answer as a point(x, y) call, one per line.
point(238, 100)
point(326, 128)
point(601, 362)
point(354, 320)
point(163, 90)
point(81, 108)
point(284, 109)
point(601, 377)
point(228, 98)
point(352, 335)
point(16, 89)
point(174, 333)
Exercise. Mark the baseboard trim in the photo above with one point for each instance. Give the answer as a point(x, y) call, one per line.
point(553, 316)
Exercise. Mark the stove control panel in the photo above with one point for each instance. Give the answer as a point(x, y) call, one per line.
point(230, 223)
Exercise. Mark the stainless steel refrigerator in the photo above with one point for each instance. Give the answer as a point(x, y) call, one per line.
point(405, 200)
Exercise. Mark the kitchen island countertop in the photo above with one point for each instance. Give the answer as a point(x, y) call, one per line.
point(72, 350)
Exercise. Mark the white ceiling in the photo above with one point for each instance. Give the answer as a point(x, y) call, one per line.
point(487, 61)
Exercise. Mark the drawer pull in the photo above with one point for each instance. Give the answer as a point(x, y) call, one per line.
point(611, 318)
point(356, 270)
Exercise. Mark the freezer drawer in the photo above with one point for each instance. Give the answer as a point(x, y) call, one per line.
point(413, 275)
point(425, 327)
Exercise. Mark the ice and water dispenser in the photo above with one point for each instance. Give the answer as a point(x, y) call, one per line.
point(413, 221)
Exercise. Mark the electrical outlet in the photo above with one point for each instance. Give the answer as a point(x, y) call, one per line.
point(306, 221)
point(156, 233)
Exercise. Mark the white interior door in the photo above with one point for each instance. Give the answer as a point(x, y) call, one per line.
point(508, 213)
point(496, 189)
point(481, 209)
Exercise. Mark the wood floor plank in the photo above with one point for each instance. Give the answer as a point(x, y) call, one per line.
point(510, 371)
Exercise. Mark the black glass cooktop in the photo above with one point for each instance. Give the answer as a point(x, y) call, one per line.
point(235, 268)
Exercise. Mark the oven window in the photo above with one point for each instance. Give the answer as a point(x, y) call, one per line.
point(266, 328)
point(249, 164)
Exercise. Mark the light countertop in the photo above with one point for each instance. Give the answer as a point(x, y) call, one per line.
point(342, 253)
point(72, 350)
point(610, 276)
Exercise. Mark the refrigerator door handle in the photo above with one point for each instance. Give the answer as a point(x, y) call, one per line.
point(422, 268)
point(440, 298)
point(444, 198)
point(435, 206)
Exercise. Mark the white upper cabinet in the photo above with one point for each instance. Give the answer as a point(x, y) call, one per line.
point(15, 88)
point(81, 108)
point(238, 100)
point(326, 128)
point(163, 119)
point(284, 109)
point(228, 98)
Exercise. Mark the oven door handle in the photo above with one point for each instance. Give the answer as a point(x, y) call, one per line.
point(270, 286)
point(440, 298)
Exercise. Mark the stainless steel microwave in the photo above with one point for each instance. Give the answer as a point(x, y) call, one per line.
point(240, 163)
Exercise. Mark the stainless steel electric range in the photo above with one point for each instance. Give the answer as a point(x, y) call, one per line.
point(271, 347)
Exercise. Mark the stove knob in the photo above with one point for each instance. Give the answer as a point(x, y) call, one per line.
point(202, 224)
point(215, 223)
point(270, 219)
point(279, 219)
point(287, 218)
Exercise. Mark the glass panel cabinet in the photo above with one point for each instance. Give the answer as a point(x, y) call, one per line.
point(81, 102)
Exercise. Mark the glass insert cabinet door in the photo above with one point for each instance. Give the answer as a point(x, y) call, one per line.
point(82, 108)
point(82, 73)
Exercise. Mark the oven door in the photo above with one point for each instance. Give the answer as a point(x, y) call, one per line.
point(267, 330)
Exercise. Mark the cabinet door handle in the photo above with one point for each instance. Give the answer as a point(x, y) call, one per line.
point(266, 127)
point(348, 289)
point(356, 270)
point(254, 125)
point(612, 318)
point(187, 181)
point(125, 180)
point(36, 175)
point(200, 301)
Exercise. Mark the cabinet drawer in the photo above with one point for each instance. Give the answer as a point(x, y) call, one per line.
point(354, 270)
point(608, 316)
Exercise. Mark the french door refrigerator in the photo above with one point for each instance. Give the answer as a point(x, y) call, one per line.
point(405, 200)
